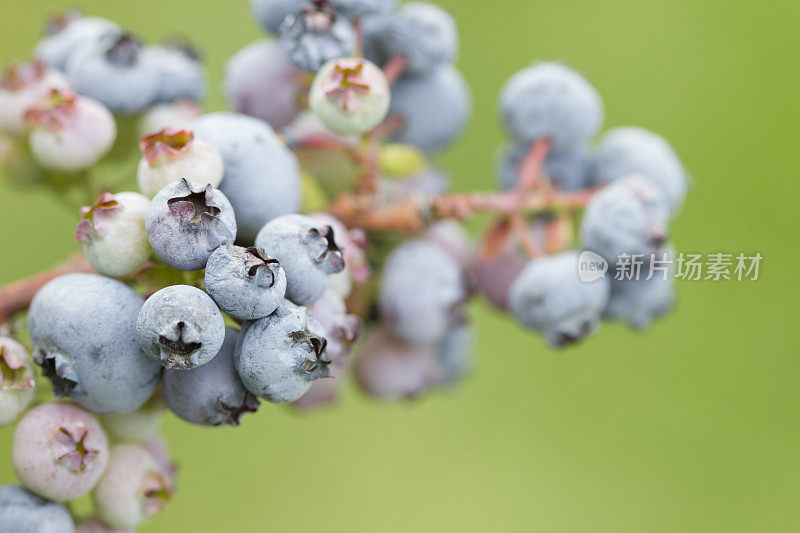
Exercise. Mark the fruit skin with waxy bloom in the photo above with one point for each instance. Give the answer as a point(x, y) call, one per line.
point(180, 74)
point(113, 233)
point(187, 221)
point(212, 394)
point(180, 327)
point(17, 388)
point(306, 250)
point(23, 511)
point(245, 282)
point(316, 34)
point(83, 328)
point(172, 154)
point(23, 86)
point(133, 488)
point(68, 32)
point(59, 451)
point(350, 95)
point(278, 357)
point(69, 133)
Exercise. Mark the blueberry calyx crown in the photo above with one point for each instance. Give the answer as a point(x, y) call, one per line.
point(19, 75)
point(93, 217)
point(124, 51)
point(58, 368)
point(345, 82)
point(165, 145)
point(197, 206)
point(69, 447)
point(52, 112)
point(249, 404)
point(326, 252)
point(177, 348)
point(14, 374)
point(256, 259)
point(317, 367)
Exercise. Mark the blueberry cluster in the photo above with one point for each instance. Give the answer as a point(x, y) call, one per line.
point(262, 241)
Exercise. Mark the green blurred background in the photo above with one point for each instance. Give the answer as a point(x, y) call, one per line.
point(692, 426)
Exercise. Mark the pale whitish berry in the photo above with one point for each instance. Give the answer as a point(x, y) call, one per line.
point(181, 327)
point(133, 488)
point(113, 234)
point(83, 328)
point(137, 426)
point(262, 82)
point(278, 357)
point(631, 150)
point(171, 154)
point(187, 221)
point(176, 116)
point(350, 95)
point(16, 380)
point(551, 101)
point(22, 87)
point(59, 451)
point(627, 217)
point(550, 297)
point(70, 133)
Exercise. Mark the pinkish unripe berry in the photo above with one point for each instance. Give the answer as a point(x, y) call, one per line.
point(133, 488)
point(59, 451)
point(22, 87)
point(113, 233)
point(70, 133)
point(16, 380)
point(350, 95)
point(170, 155)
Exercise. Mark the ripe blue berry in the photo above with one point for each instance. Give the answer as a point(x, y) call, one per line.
point(83, 329)
point(261, 81)
point(548, 296)
point(271, 13)
point(455, 354)
point(181, 327)
point(278, 357)
point(262, 177)
point(245, 282)
point(212, 394)
point(435, 108)
point(68, 32)
point(316, 34)
point(356, 9)
point(628, 216)
point(115, 72)
point(420, 292)
point(187, 221)
point(631, 150)
point(639, 301)
point(550, 100)
point(24, 512)
point(180, 73)
point(423, 33)
point(307, 252)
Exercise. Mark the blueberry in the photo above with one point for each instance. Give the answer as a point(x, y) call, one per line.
point(388, 368)
point(136, 426)
point(316, 34)
point(271, 13)
point(114, 71)
point(245, 282)
point(171, 154)
point(421, 291)
point(350, 95)
point(68, 33)
point(23, 512)
point(495, 275)
point(23, 86)
point(113, 233)
point(187, 221)
point(262, 177)
point(212, 394)
point(423, 33)
point(180, 73)
point(568, 171)
point(455, 354)
point(341, 329)
point(307, 252)
point(181, 327)
point(133, 487)
point(69, 133)
point(83, 329)
point(278, 357)
point(356, 9)
point(639, 301)
point(59, 451)
point(261, 81)
point(323, 391)
point(548, 296)
point(17, 388)
point(435, 107)
point(628, 216)
point(550, 100)
point(631, 150)
point(174, 116)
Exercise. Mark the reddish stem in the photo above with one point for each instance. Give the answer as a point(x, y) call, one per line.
point(394, 68)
